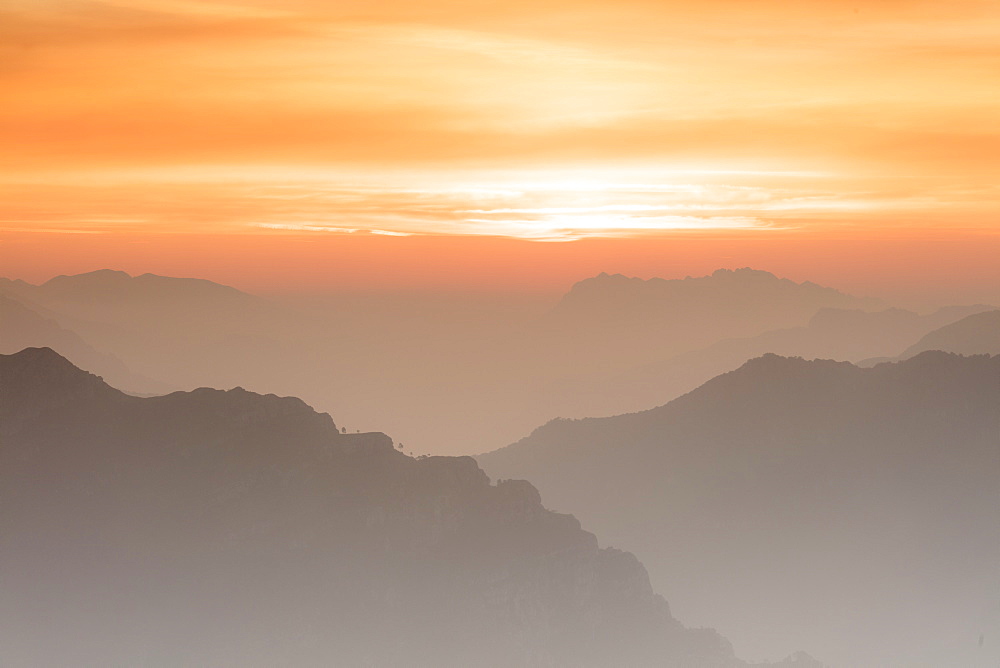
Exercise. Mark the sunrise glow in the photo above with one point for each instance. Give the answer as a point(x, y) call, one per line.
point(656, 122)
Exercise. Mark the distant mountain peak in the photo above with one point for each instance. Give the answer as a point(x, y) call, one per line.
point(99, 276)
point(744, 272)
point(743, 301)
point(113, 285)
point(13, 282)
point(719, 276)
point(605, 277)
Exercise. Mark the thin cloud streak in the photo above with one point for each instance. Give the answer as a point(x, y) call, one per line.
point(556, 206)
point(553, 208)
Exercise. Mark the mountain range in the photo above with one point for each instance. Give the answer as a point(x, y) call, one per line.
point(433, 370)
point(454, 376)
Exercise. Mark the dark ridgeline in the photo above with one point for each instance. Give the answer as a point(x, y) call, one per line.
point(854, 510)
point(230, 528)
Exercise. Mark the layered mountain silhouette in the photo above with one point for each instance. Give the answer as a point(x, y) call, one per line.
point(438, 372)
point(850, 335)
point(853, 509)
point(976, 334)
point(231, 528)
point(635, 320)
point(22, 327)
point(183, 332)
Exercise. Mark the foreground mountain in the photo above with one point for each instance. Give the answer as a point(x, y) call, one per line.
point(231, 528)
point(855, 510)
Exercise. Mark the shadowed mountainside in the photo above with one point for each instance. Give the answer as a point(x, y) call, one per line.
point(230, 528)
point(854, 510)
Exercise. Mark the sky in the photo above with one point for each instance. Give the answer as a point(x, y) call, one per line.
point(308, 145)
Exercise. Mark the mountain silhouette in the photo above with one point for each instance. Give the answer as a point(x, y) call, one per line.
point(632, 320)
point(850, 335)
point(22, 326)
point(109, 286)
point(231, 528)
point(182, 332)
point(443, 373)
point(852, 509)
point(974, 335)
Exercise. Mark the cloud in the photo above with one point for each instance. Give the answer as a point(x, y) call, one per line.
point(238, 207)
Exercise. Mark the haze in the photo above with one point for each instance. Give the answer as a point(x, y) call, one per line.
point(329, 331)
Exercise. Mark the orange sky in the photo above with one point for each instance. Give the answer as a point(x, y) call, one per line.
point(827, 140)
